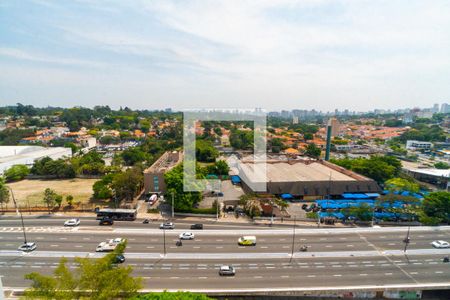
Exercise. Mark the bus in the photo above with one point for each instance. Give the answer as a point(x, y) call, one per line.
point(118, 214)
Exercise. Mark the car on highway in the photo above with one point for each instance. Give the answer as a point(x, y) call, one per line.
point(227, 271)
point(27, 247)
point(187, 236)
point(119, 259)
point(440, 244)
point(247, 241)
point(117, 241)
point(167, 225)
point(105, 247)
point(106, 221)
point(72, 222)
point(197, 226)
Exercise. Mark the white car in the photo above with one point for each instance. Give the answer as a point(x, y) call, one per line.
point(27, 247)
point(227, 271)
point(187, 236)
point(117, 241)
point(168, 225)
point(72, 222)
point(440, 244)
point(105, 247)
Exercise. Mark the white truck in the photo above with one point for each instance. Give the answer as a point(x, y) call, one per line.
point(106, 247)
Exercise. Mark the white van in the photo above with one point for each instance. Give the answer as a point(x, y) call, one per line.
point(247, 241)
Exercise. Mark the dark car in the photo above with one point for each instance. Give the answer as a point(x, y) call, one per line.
point(106, 221)
point(119, 259)
point(197, 226)
point(146, 221)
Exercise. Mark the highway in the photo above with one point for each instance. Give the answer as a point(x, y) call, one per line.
point(335, 258)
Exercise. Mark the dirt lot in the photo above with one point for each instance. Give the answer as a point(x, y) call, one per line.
point(32, 191)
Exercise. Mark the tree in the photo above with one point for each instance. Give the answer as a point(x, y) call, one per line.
point(69, 200)
point(128, 184)
point(308, 136)
point(4, 192)
point(205, 151)
point(101, 278)
point(183, 201)
point(436, 206)
point(172, 296)
point(379, 168)
point(58, 200)
point(241, 139)
point(16, 172)
point(400, 185)
point(442, 165)
point(362, 212)
point(102, 188)
point(132, 156)
point(313, 151)
point(50, 198)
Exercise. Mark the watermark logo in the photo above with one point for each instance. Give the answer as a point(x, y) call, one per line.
point(252, 169)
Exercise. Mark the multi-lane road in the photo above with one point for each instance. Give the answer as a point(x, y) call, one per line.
point(336, 258)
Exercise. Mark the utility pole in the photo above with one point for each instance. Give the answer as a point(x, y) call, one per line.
point(19, 213)
point(407, 239)
point(293, 243)
point(173, 208)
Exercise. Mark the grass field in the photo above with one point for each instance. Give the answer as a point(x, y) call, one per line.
point(32, 191)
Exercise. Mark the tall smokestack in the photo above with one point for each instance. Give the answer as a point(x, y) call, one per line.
point(327, 153)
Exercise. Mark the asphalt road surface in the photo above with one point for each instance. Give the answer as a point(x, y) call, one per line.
point(335, 258)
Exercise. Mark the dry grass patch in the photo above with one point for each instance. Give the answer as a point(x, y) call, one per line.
point(32, 191)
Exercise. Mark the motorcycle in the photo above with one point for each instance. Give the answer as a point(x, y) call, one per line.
point(304, 248)
point(146, 221)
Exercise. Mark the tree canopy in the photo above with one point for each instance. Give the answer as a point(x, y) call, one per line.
point(101, 278)
point(172, 296)
point(16, 172)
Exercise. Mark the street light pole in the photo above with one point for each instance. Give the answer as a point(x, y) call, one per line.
point(173, 208)
point(19, 213)
point(407, 239)
point(293, 243)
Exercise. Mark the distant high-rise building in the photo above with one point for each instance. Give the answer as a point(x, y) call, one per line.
point(294, 120)
point(445, 108)
point(435, 108)
point(335, 126)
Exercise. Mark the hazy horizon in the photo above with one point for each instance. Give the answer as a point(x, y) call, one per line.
point(323, 55)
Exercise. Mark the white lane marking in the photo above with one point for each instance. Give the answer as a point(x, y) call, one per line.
point(284, 276)
point(78, 246)
point(196, 247)
point(203, 277)
point(328, 246)
point(387, 273)
point(311, 276)
point(257, 276)
point(350, 246)
point(174, 277)
point(264, 247)
point(63, 238)
point(337, 275)
point(219, 240)
point(392, 244)
point(150, 247)
point(219, 247)
point(362, 274)
point(413, 273)
point(86, 239)
point(54, 245)
point(438, 272)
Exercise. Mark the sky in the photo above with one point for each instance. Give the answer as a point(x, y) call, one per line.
point(283, 54)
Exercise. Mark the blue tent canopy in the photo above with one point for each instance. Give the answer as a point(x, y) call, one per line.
point(354, 196)
point(287, 196)
point(235, 179)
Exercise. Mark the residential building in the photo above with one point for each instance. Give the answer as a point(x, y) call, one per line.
point(154, 176)
point(418, 145)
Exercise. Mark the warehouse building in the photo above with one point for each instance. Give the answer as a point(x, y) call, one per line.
point(27, 155)
point(305, 178)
